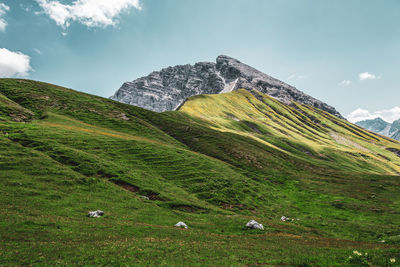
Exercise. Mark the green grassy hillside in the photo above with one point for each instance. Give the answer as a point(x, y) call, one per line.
point(218, 162)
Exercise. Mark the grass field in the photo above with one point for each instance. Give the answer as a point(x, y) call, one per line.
point(218, 162)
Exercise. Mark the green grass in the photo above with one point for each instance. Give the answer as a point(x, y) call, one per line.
point(215, 164)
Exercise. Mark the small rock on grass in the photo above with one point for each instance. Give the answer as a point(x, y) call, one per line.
point(286, 219)
point(254, 225)
point(95, 214)
point(181, 224)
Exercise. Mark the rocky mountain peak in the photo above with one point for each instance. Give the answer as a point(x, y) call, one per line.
point(225, 58)
point(169, 88)
point(380, 126)
point(233, 68)
point(379, 120)
point(377, 125)
point(396, 123)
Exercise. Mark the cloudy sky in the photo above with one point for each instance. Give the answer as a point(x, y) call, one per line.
point(344, 52)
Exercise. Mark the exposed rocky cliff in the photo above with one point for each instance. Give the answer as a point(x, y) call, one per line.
point(168, 89)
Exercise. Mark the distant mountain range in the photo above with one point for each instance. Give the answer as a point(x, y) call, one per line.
point(169, 88)
point(382, 127)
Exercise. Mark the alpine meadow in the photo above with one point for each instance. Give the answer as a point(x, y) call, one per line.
point(200, 133)
point(216, 163)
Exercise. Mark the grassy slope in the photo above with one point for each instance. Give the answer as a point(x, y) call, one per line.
point(219, 162)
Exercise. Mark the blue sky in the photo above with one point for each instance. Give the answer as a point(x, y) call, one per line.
point(344, 52)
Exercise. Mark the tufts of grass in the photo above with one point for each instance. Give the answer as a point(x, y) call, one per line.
point(217, 163)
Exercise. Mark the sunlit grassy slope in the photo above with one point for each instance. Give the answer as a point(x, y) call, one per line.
point(302, 132)
point(215, 164)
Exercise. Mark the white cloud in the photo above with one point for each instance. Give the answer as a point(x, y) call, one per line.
point(345, 83)
point(3, 10)
point(37, 51)
point(25, 8)
point(368, 76)
point(388, 115)
point(360, 115)
point(92, 13)
point(13, 64)
point(296, 76)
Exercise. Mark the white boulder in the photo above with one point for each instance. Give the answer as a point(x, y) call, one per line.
point(181, 224)
point(95, 214)
point(254, 225)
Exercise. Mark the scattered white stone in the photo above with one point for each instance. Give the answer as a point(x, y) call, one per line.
point(145, 197)
point(181, 224)
point(95, 214)
point(124, 117)
point(254, 225)
point(287, 219)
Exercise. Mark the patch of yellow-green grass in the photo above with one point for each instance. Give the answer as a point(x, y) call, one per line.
point(265, 119)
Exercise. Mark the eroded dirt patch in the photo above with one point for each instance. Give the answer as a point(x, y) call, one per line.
point(126, 186)
point(186, 208)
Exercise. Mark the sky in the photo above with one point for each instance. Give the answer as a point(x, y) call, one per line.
point(343, 52)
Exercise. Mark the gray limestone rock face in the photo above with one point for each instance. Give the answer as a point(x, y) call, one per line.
point(167, 89)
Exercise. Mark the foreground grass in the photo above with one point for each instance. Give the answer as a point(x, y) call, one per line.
point(63, 153)
point(44, 223)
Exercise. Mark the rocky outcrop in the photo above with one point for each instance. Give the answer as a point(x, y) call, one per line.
point(169, 88)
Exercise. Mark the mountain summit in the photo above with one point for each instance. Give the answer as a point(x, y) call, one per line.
point(382, 127)
point(169, 88)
